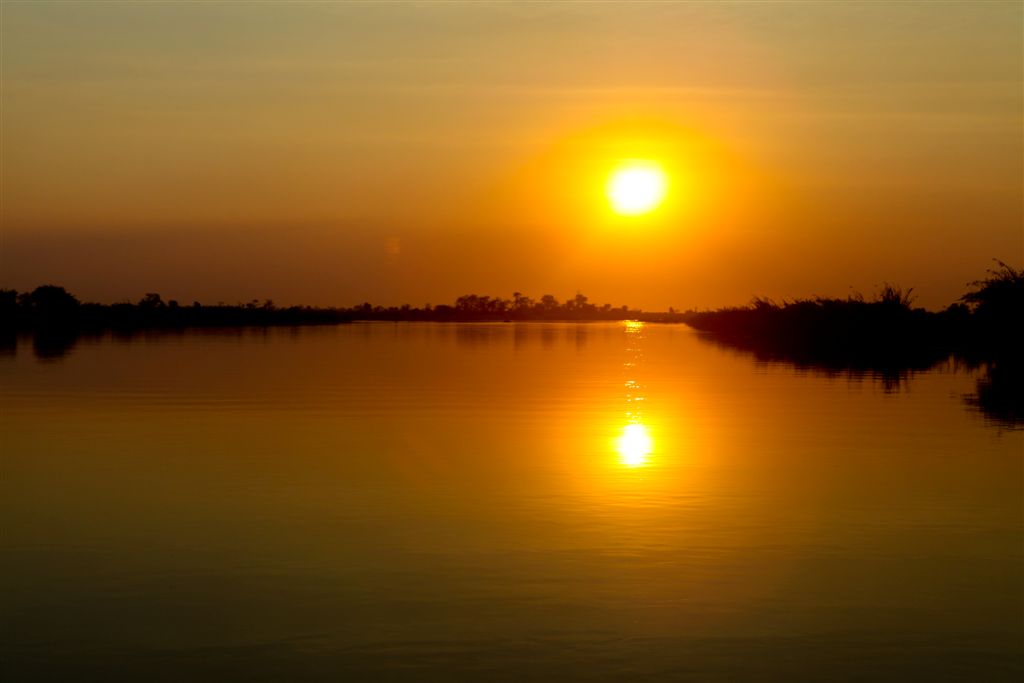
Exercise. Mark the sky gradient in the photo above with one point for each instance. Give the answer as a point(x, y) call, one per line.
point(331, 153)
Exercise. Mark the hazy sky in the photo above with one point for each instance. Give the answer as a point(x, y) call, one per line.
point(331, 153)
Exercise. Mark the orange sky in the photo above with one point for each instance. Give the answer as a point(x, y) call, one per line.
point(331, 153)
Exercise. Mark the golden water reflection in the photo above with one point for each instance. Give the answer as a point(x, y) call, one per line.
point(375, 470)
point(634, 445)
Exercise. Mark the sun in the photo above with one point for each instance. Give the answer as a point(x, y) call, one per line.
point(636, 187)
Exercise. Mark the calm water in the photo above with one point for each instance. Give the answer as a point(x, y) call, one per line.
point(497, 503)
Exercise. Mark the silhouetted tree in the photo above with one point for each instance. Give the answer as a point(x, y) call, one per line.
point(521, 303)
point(51, 298)
point(577, 303)
point(50, 306)
point(548, 303)
point(151, 301)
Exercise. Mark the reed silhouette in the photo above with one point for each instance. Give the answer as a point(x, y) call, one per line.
point(888, 338)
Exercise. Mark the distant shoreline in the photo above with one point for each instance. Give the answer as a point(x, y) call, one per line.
point(51, 307)
point(886, 331)
point(885, 336)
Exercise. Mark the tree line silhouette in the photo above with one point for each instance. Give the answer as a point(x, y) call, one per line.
point(886, 335)
point(49, 307)
point(987, 319)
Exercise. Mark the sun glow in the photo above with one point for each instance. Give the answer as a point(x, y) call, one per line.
point(634, 445)
point(636, 187)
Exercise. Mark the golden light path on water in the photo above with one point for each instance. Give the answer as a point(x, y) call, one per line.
point(634, 445)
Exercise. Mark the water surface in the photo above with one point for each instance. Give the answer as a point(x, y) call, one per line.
point(491, 502)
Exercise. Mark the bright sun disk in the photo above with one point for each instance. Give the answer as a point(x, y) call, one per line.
point(636, 187)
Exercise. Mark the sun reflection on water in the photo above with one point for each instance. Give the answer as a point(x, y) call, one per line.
point(634, 445)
